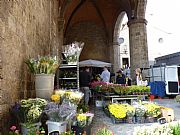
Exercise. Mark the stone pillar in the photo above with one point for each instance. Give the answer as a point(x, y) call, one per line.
point(138, 45)
point(117, 61)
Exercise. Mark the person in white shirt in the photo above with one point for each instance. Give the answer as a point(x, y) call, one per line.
point(105, 75)
point(138, 76)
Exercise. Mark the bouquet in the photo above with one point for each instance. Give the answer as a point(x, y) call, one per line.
point(140, 111)
point(84, 119)
point(29, 110)
point(42, 65)
point(72, 51)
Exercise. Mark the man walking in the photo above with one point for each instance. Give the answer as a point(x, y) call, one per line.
point(84, 80)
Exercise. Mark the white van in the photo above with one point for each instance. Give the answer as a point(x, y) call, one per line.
point(168, 74)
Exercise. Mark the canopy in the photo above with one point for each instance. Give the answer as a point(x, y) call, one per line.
point(94, 63)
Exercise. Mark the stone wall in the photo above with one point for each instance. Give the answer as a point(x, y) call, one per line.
point(28, 28)
point(94, 38)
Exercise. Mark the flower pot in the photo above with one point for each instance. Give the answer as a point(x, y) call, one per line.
point(56, 126)
point(26, 129)
point(150, 119)
point(130, 120)
point(44, 85)
point(140, 119)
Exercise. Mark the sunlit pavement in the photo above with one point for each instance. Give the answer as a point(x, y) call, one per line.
point(101, 119)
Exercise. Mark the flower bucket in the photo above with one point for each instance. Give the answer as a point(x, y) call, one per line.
point(44, 85)
point(140, 119)
point(150, 119)
point(130, 120)
point(26, 129)
point(56, 126)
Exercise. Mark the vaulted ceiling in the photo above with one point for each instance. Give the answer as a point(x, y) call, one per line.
point(102, 12)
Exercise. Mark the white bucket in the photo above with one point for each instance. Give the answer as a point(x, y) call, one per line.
point(44, 85)
point(56, 126)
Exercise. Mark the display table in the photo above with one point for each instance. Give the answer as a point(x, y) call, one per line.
point(114, 97)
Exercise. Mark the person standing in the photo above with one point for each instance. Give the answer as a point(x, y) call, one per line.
point(120, 78)
point(84, 81)
point(138, 76)
point(105, 75)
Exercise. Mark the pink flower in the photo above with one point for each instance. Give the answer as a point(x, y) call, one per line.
point(13, 128)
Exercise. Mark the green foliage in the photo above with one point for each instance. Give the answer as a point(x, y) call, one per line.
point(83, 107)
point(176, 129)
point(104, 131)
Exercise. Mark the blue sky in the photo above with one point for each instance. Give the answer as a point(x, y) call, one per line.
point(163, 22)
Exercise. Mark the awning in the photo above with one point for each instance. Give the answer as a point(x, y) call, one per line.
point(93, 63)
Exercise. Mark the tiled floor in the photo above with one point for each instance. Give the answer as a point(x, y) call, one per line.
point(101, 119)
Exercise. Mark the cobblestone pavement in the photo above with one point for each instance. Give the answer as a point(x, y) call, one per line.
point(101, 119)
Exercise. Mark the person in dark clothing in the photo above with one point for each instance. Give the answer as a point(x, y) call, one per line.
point(84, 81)
point(120, 78)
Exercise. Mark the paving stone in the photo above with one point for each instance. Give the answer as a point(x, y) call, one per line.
point(102, 120)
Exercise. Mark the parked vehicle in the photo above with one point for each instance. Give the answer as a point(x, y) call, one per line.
point(168, 74)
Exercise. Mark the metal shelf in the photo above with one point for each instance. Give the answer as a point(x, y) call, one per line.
point(72, 78)
point(68, 66)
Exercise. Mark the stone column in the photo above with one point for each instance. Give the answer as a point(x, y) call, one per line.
point(117, 61)
point(138, 45)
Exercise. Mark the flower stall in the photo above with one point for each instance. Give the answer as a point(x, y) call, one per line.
point(138, 112)
point(116, 92)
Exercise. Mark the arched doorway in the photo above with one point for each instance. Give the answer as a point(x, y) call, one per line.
point(121, 42)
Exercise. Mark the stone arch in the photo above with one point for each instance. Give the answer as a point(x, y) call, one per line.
point(116, 47)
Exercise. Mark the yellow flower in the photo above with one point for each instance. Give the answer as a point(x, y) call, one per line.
point(60, 92)
point(117, 110)
point(55, 98)
point(81, 117)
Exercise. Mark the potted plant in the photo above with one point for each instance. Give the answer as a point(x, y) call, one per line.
point(140, 113)
point(152, 112)
point(62, 110)
point(44, 69)
point(28, 112)
point(130, 113)
point(82, 124)
point(117, 112)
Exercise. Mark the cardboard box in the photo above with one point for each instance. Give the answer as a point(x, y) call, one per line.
point(168, 113)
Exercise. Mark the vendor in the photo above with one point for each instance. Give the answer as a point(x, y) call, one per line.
point(120, 78)
point(138, 76)
point(105, 75)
